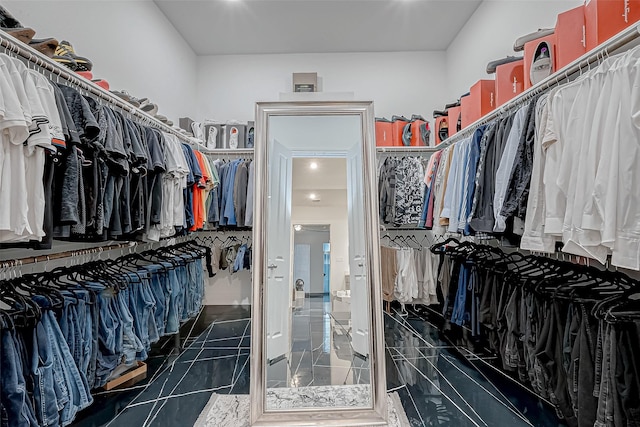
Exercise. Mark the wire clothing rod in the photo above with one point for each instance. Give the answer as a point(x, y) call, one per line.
point(595, 55)
point(413, 150)
point(19, 262)
point(9, 43)
point(230, 152)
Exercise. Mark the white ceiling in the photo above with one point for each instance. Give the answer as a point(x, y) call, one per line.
point(328, 182)
point(213, 27)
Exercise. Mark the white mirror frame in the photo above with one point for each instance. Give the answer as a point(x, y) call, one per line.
point(377, 415)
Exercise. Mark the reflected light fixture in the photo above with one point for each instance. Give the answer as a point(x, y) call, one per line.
point(297, 227)
point(313, 165)
point(313, 196)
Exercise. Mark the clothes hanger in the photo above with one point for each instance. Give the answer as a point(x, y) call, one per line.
point(442, 246)
point(30, 285)
point(97, 271)
point(24, 310)
point(162, 257)
point(412, 238)
point(424, 240)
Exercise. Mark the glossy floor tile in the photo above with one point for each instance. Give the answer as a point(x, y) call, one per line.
point(321, 352)
point(442, 385)
point(214, 357)
point(438, 384)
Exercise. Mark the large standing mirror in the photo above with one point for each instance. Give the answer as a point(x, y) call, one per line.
point(317, 342)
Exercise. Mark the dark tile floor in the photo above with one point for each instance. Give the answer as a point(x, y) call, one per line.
point(321, 353)
point(443, 385)
point(438, 384)
point(178, 386)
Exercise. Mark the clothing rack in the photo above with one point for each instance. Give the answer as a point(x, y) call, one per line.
point(391, 151)
point(132, 246)
point(230, 153)
point(57, 72)
point(386, 229)
point(594, 56)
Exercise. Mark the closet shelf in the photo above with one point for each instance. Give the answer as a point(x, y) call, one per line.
point(229, 152)
point(59, 72)
point(600, 52)
point(405, 150)
point(91, 249)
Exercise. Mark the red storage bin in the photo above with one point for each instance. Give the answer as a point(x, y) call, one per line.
point(509, 81)
point(606, 18)
point(529, 52)
point(440, 122)
point(571, 39)
point(384, 133)
point(454, 118)
point(481, 101)
point(416, 139)
point(397, 128)
point(464, 103)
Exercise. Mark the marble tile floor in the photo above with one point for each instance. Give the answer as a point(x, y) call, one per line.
point(437, 383)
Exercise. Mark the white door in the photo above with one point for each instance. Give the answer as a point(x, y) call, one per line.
point(360, 310)
point(279, 292)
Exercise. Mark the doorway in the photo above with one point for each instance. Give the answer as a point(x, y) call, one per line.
point(312, 259)
point(326, 251)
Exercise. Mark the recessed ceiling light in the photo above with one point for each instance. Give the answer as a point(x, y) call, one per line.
point(313, 165)
point(297, 227)
point(312, 196)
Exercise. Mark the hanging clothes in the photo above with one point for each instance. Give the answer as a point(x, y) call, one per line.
point(389, 268)
point(74, 169)
point(548, 327)
point(229, 255)
point(74, 328)
point(401, 190)
point(230, 201)
point(409, 275)
point(406, 286)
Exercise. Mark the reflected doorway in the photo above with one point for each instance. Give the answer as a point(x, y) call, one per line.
point(326, 268)
point(312, 259)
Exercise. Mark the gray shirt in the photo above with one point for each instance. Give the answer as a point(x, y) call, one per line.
point(248, 220)
point(240, 193)
point(483, 219)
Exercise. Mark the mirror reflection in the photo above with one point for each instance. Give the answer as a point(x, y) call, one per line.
point(317, 309)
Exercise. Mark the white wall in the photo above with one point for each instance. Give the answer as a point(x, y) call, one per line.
point(398, 83)
point(228, 289)
point(131, 44)
point(336, 218)
point(490, 33)
point(315, 240)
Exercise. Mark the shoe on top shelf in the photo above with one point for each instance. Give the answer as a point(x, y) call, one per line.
point(67, 61)
point(7, 20)
point(46, 46)
point(86, 74)
point(163, 119)
point(12, 26)
point(65, 51)
point(148, 107)
point(122, 94)
point(25, 35)
point(134, 101)
point(102, 83)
